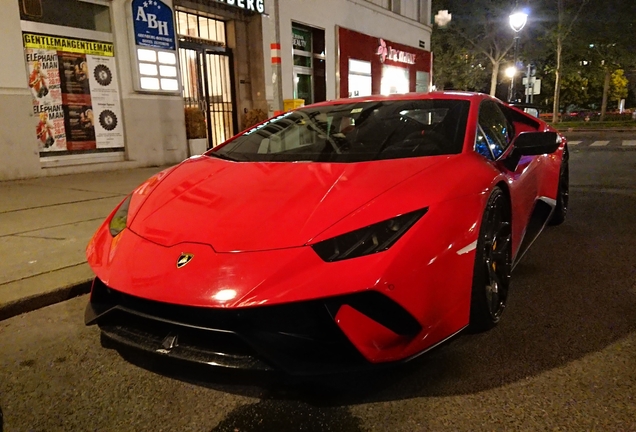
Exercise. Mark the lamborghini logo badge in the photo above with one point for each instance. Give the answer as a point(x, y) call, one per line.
point(184, 259)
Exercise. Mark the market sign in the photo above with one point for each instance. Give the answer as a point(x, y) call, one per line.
point(386, 52)
point(153, 23)
point(248, 5)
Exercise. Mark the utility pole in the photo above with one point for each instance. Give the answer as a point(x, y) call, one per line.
point(277, 85)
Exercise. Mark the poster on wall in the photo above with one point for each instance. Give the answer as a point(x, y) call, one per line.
point(105, 101)
point(75, 93)
point(44, 82)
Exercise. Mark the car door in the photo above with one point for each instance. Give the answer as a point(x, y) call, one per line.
point(494, 135)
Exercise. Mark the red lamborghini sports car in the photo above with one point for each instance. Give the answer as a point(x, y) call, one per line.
point(338, 236)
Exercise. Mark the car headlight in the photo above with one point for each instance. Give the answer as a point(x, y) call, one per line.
point(365, 241)
point(120, 218)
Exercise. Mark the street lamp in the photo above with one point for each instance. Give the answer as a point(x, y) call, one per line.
point(517, 22)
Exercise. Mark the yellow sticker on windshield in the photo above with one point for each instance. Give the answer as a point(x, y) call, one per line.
point(356, 110)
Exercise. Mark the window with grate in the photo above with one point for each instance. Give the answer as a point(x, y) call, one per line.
point(200, 27)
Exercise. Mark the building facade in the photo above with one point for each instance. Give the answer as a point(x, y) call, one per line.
point(130, 83)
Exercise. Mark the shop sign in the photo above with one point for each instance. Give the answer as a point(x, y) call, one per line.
point(75, 94)
point(248, 5)
point(301, 39)
point(153, 24)
point(388, 53)
point(154, 47)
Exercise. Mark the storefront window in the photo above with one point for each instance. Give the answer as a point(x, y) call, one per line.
point(303, 70)
point(72, 75)
point(421, 81)
point(200, 27)
point(359, 78)
point(89, 16)
point(395, 80)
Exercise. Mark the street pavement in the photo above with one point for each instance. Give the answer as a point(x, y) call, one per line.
point(562, 359)
point(601, 140)
point(45, 224)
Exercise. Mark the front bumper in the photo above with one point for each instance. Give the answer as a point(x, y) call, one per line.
point(301, 338)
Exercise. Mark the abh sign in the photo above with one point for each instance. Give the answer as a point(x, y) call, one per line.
point(153, 24)
point(248, 5)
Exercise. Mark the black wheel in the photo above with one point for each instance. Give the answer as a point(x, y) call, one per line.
point(563, 193)
point(493, 257)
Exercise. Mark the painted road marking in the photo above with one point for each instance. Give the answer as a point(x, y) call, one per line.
point(599, 144)
point(630, 143)
point(574, 142)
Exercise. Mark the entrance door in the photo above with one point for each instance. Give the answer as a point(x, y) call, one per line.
point(208, 85)
point(303, 84)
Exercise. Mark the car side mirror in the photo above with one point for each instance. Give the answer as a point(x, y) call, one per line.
point(536, 143)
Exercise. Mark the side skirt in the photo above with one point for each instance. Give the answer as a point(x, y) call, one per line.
point(543, 209)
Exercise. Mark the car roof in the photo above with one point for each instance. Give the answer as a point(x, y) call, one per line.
point(456, 95)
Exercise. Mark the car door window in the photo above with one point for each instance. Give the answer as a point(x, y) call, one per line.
point(493, 131)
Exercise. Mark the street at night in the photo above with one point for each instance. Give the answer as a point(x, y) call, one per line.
point(317, 216)
point(563, 357)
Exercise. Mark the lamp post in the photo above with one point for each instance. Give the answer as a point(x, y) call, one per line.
point(517, 22)
point(510, 72)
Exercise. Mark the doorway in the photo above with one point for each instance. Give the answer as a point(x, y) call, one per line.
point(207, 74)
point(207, 84)
point(303, 84)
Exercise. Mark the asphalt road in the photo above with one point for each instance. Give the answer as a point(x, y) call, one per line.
point(564, 357)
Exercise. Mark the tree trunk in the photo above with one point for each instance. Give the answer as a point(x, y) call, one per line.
point(606, 86)
point(557, 83)
point(493, 78)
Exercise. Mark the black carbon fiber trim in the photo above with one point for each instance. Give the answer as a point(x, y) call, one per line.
point(299, 338)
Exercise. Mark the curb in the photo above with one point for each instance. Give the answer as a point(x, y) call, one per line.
point(566, 130)
point(29, 304)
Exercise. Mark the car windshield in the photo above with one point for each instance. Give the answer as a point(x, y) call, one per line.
point(355, 132)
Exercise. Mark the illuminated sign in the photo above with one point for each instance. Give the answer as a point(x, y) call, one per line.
point(153, 24)
point(248, 5)
point(154, 47)
point(387, 53)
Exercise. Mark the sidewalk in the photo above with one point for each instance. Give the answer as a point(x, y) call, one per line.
point(45, 225)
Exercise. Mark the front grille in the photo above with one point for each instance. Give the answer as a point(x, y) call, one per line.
point(297, 337)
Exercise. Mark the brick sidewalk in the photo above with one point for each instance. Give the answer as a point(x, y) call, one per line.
point(45, 224)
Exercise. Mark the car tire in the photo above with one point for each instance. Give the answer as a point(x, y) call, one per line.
point(493, 263)
point(563, 192)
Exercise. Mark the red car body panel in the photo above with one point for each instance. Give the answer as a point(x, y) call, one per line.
point(237, 207)
point(250, 227)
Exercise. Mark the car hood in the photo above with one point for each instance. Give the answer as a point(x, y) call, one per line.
point(256, 206)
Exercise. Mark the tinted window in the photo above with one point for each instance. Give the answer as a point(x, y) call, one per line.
point(69, 13)
point(356, 132)
point(493, 133)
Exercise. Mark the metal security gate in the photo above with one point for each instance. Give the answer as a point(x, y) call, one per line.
point(207, 84)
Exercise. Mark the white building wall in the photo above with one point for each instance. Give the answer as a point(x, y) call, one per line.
point(18, 147)
point(154, 125)
point(358, 15)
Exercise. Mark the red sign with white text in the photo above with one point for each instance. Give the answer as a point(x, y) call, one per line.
point(379, 52)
